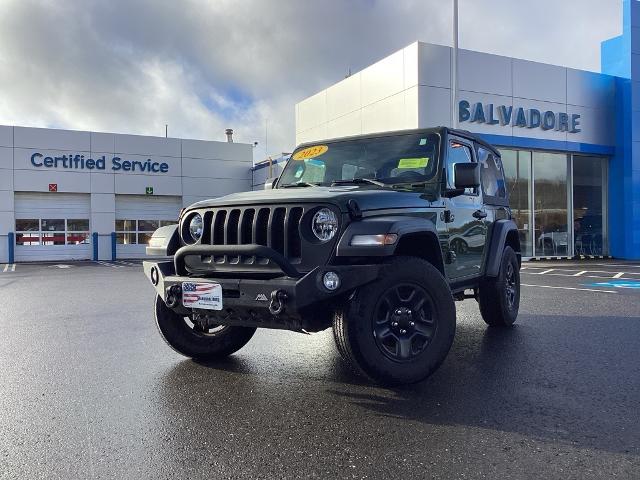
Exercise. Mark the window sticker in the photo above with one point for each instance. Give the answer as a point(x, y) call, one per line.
point(310, 152)
point(423, 141)
point(413, 162)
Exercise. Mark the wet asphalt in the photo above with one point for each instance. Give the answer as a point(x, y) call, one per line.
point(89, 390)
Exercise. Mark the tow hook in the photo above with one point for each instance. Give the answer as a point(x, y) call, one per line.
point(174, 293)
point(276, 305)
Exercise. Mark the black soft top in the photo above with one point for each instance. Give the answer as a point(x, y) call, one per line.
point(443, 131)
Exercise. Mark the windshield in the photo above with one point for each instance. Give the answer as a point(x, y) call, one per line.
point(376, 162)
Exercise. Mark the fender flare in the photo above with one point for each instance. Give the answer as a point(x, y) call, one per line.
point(400, 225)
point(164, 242)
point(497, 240)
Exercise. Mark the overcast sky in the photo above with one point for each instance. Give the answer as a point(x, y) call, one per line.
point(130, 66)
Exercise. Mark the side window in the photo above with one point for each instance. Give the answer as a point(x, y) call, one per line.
point(458, 153)
point(491, 174)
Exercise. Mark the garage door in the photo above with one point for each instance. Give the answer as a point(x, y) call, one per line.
point(137, 217)
point(52, 226)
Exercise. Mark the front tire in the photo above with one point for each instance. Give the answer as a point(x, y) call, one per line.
point(186, 339)
point(399, 329)
point(499, 297)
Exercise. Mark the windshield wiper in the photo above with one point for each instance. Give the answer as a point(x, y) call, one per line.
point(298, 184)
point(357, 181)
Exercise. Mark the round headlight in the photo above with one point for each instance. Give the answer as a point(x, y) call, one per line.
point(324, 224)
point(196, 226)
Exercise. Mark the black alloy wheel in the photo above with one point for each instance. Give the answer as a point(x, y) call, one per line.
point(511, 286)
point(404, 322)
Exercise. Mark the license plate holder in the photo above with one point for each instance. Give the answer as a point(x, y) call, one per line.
point(204, 295)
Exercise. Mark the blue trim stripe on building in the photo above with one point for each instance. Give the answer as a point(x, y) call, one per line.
point(543, 144)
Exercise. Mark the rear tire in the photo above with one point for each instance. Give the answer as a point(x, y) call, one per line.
point(399, 329)
point(188, 341)
point(499, 297)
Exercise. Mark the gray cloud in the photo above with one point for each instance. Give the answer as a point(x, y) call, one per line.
point(200, 66)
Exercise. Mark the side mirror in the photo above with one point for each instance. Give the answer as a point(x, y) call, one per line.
point(467, 175)
point(270, 182)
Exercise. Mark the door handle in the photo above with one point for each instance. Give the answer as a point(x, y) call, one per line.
point(480, 214)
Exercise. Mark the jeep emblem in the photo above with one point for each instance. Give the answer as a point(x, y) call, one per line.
point(261, 298)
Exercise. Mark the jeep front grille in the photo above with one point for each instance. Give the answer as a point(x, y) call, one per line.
point(277, 227)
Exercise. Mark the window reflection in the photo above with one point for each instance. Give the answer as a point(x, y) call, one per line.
point(588, 200)
point(550, 194)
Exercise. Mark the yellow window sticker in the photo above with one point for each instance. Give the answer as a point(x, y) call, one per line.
point(413, 162)
point(310, 152)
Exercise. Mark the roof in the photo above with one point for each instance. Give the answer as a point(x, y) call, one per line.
point(439, 130)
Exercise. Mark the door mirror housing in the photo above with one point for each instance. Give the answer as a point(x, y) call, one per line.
point(467, 175)
point(270, 183)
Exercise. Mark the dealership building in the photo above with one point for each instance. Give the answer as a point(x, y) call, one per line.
point(86, 195)
point(570, 139)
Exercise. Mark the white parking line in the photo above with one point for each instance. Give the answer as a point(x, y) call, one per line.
point(618, 275)
point(569, 288)
point(107, 264)
point(9, 267)
point(579, 273)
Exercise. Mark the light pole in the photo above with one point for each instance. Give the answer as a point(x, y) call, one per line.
point(454, 68)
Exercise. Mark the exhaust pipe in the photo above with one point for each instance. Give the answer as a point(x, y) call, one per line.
point(229, 133)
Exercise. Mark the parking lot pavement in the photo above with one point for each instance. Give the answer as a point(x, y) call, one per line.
point(89, 390)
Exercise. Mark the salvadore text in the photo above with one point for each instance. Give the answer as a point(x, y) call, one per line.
point(518, 117)
point(117, 164)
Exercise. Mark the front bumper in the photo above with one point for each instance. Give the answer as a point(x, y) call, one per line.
point(306, 303)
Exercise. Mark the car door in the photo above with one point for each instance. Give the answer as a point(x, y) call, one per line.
point(465, 216)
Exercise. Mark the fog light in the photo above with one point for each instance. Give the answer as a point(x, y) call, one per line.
point(331, 281)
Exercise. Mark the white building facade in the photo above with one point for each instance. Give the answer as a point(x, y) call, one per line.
point(558, 130)
point(87, 195)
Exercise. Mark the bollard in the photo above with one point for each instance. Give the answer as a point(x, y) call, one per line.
point(94, 237)
point(113, 246)
point(10, 239)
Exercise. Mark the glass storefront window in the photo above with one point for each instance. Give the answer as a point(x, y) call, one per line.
point(125, 225)
point(550, 196)
point(132, 232)
point(49, 232)
point(53, 225)
point(126, 238)
point(53, 238)
point(588, 206)
point(147, 225)
point(28, 238)
point(28, 225)
point(78, 225)
point(517, 169)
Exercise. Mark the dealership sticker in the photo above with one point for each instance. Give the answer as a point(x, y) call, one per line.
point(203, 295)
point(413, 162)
point(310, 152)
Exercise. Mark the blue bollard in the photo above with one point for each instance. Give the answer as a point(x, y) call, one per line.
point(11, 251)
point(94, 237)
point(113, 246)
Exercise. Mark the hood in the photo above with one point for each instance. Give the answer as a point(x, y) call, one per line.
point(367, 198)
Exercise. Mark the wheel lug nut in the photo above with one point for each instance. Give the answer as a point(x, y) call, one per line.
point(403, 331)
point(398, 312)
point(394, 324)
point(412, 324)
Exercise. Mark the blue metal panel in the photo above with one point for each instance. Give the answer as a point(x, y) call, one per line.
point(12, 243)
point(624, 167)
point(113, 245)
point(94, 240)
point(542, 144)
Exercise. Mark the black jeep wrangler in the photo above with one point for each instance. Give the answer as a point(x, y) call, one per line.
point(374, 235)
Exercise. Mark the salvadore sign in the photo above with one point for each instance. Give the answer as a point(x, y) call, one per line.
point(504, 115)
point(115, 164)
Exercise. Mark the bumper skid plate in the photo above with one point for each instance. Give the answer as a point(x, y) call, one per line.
point(279, 302)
